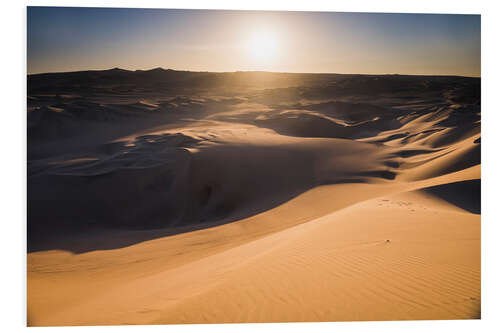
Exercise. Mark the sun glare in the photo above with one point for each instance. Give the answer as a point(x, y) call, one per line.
point(263, 46)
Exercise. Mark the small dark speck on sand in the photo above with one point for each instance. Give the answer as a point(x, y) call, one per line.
point(387, 241)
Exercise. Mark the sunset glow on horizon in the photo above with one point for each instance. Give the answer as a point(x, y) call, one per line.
point(69, 39)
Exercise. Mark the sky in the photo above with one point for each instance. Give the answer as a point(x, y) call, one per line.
point(61, 39)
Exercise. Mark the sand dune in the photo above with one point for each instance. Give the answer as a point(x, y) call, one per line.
point(252, 197)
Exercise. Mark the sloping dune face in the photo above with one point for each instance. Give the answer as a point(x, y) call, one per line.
point(162, 197)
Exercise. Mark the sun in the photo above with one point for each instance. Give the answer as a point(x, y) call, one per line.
point(263, 46)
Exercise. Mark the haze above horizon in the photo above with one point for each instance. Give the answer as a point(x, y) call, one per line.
point(64, 39)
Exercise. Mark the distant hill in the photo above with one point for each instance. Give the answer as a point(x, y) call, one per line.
point(120, 81)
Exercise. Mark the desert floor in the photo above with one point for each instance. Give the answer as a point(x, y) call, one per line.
point(269, 199)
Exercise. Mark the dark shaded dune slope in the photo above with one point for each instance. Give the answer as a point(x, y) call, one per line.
point(465, 194)
point(157, 182)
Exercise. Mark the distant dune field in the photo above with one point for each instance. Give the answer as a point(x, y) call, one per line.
point(166, 197)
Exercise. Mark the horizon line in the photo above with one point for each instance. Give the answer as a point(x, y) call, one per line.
point(243, 71)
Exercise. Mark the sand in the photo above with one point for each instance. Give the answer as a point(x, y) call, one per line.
point(281, 203)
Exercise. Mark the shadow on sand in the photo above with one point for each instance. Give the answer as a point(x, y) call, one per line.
point(464, 194)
